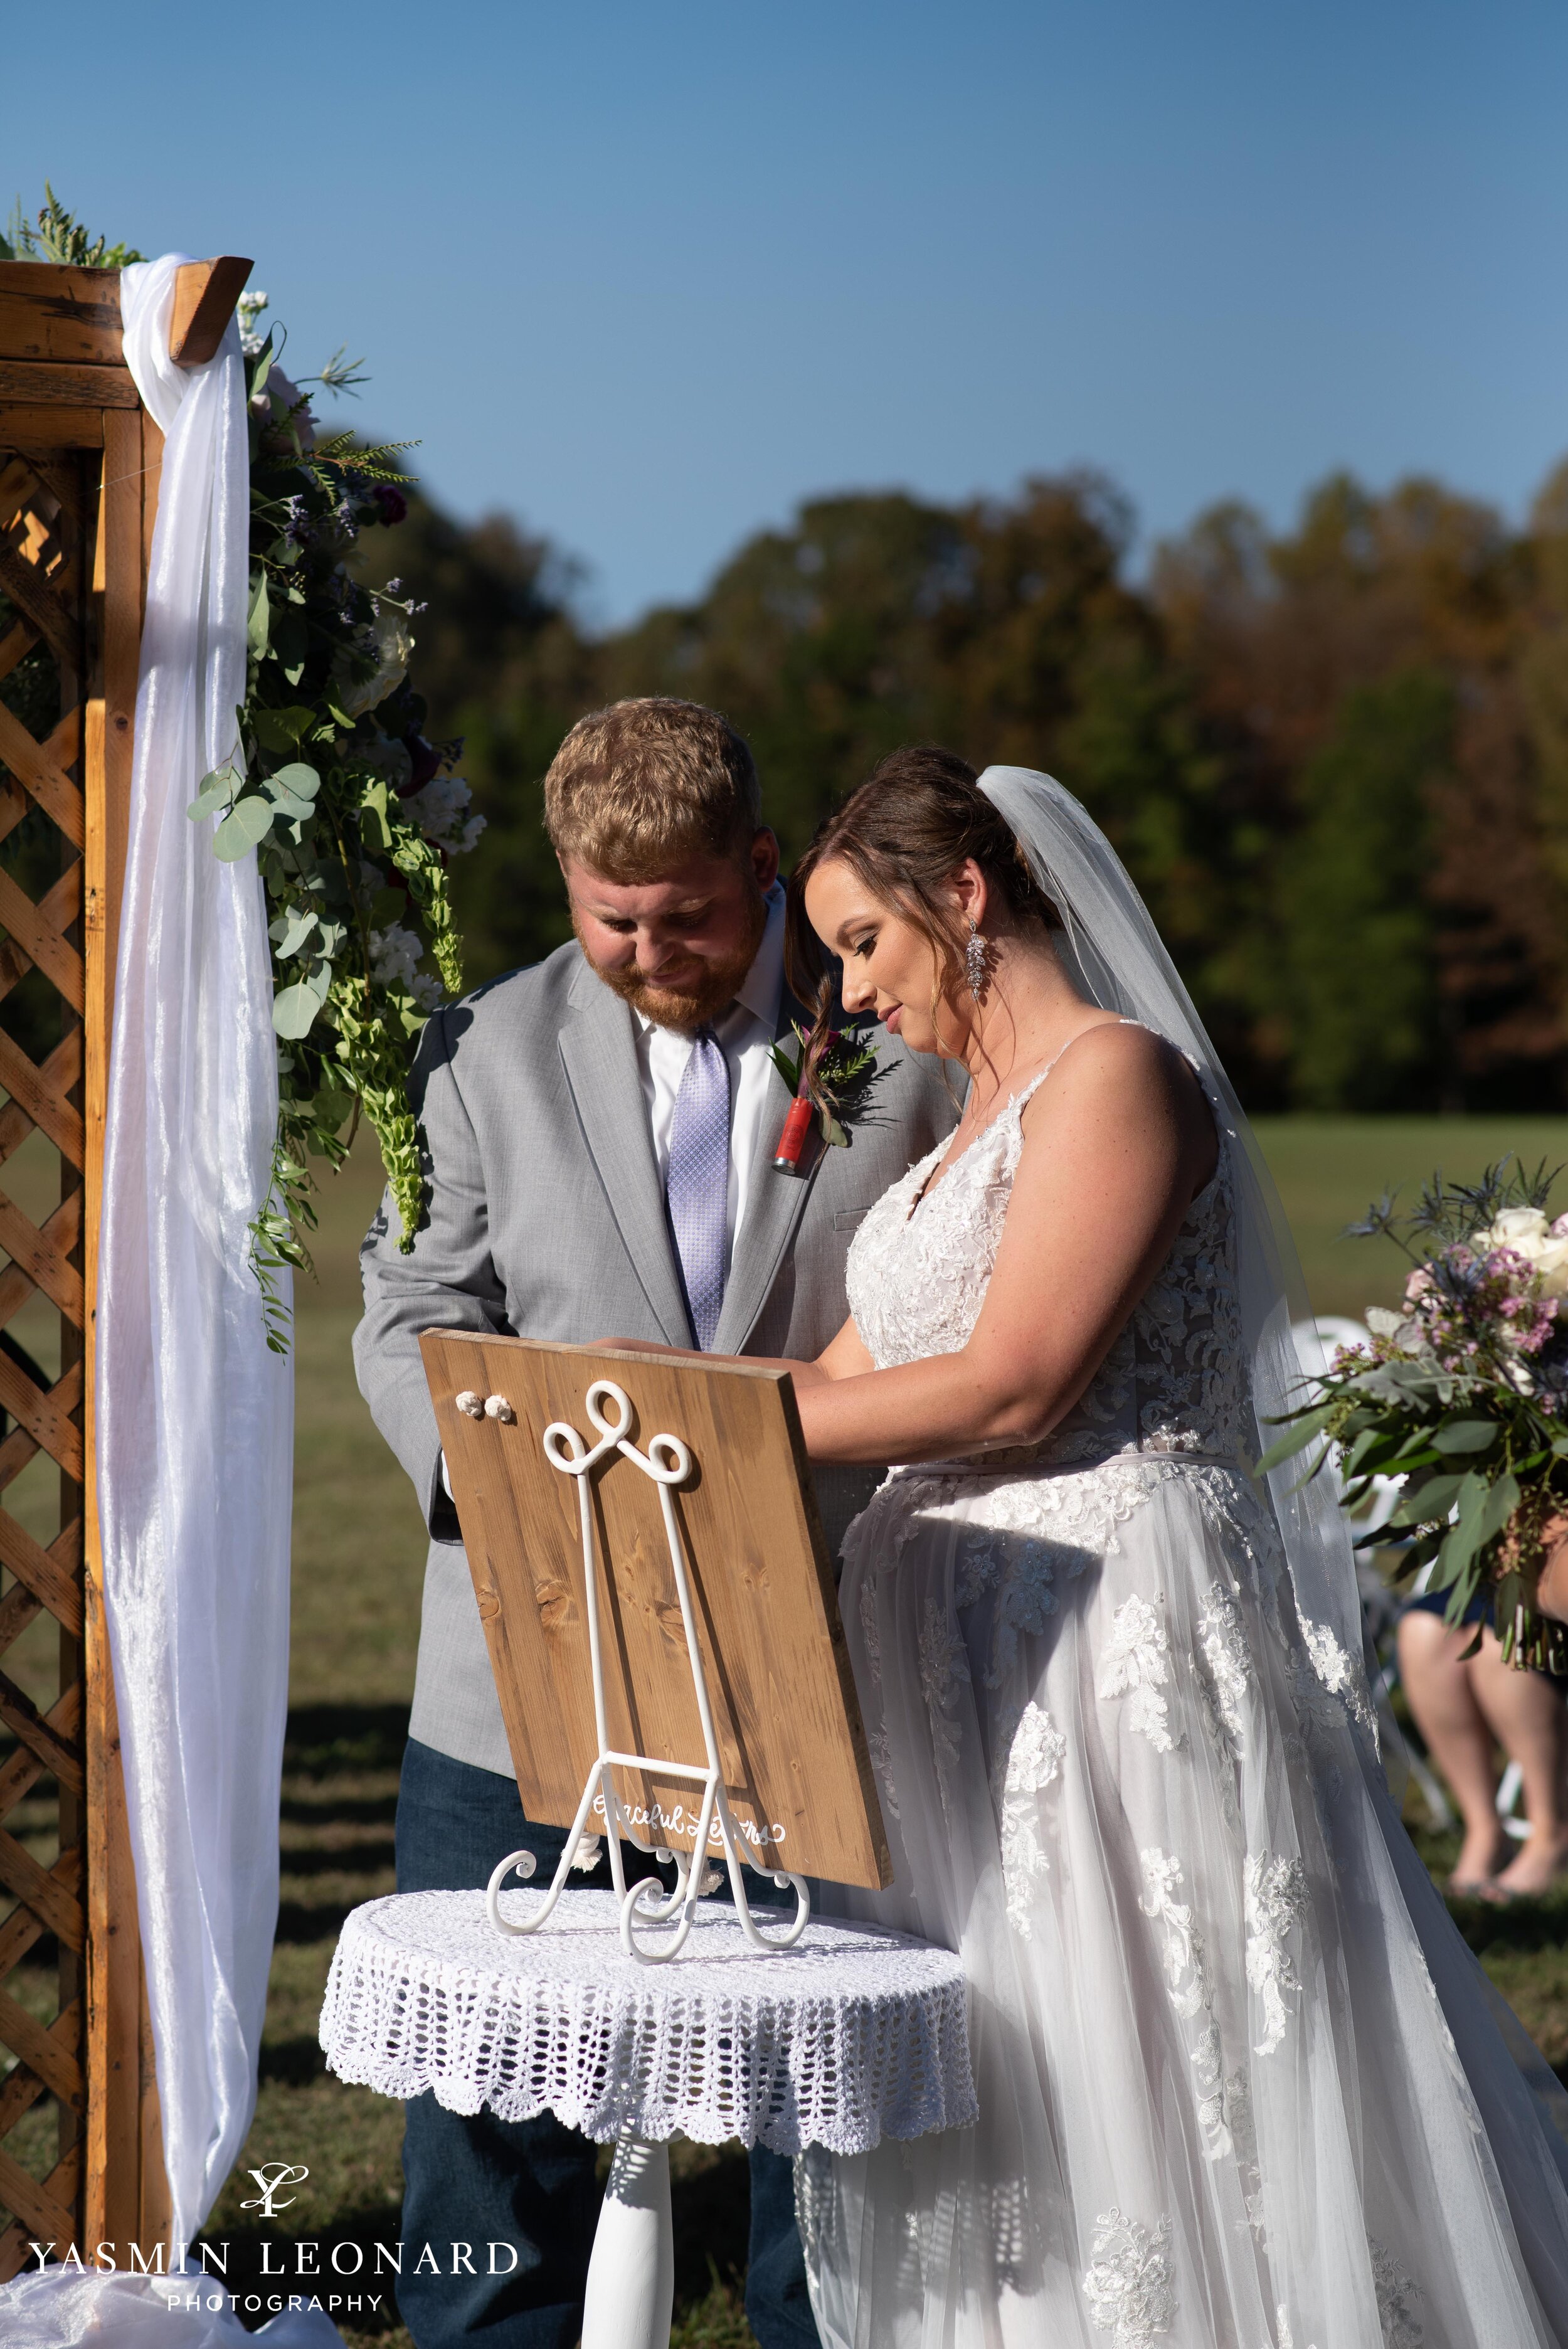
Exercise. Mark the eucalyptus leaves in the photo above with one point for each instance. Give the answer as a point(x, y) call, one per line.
point(351, 812)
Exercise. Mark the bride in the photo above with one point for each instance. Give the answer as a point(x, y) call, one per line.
point(1241, 2084)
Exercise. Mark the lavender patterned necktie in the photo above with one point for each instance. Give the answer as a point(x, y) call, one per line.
point(696, 1188)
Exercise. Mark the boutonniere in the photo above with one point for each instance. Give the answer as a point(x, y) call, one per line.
point(830, 1082)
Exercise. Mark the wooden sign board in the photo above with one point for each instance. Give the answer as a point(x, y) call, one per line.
point(797, 1771)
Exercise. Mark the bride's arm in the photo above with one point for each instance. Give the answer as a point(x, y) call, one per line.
point(1117, 1144)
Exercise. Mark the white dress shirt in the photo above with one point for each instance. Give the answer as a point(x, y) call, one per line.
point(745, 1033)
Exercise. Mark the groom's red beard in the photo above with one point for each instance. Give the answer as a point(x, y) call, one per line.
point(669, 1008)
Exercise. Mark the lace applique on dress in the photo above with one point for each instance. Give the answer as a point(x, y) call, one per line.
point(1128, 2288)
point(1174, 1380)
point(1224, 2105)
point(1228, 1665)
point(1034, 1763)
point(1398, 2300)
point(1340, 1676)
point(1184, 1967)
point(1276, 1900)
point(1135, 1665)
point(944, 1669)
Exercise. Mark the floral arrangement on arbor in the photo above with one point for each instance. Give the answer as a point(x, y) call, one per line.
point(1463, 1396)
point(353, 814)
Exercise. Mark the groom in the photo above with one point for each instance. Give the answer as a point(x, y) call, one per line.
point(600, 1131)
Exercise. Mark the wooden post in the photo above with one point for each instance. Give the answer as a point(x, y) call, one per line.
point(80, 464)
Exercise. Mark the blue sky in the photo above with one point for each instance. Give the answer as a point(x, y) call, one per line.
point(647, 275)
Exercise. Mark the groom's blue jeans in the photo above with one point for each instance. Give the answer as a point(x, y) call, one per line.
point(478, 2180)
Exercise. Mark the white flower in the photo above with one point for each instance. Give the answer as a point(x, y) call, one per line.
point(395, 957)
point(441, 811)
point(1544, 1249)
point(393, 643)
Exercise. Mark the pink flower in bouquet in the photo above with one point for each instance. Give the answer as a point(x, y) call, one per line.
point(1465, 1303)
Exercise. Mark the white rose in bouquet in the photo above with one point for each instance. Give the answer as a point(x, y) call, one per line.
point(1543, 1246)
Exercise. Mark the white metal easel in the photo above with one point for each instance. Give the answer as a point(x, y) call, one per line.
point(669, 1463)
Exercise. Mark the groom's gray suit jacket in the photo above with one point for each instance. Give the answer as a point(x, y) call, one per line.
point(546, 1219)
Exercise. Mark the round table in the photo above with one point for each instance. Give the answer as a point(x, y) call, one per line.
point(855, 2035)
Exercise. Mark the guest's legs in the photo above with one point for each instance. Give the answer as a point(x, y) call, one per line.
point(1457, 1734)
point(475, 2181)
point(1527, 1716)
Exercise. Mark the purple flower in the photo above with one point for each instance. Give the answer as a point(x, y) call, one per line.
point(393, 505)
point(427, 764)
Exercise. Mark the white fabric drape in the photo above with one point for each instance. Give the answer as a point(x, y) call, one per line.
point(194, 1414)
point(195, 1437)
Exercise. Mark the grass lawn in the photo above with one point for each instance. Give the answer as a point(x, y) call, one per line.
point(357, 1561)
point(1329, 1170)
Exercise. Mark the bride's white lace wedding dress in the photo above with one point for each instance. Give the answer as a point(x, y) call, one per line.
point(1241, 2084)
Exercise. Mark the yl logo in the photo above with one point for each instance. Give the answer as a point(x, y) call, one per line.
point(271, 2178)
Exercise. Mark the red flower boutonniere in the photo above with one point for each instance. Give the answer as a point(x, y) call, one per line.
point(830, 1082)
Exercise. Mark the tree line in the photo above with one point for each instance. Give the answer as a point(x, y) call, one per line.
point(1335, 758)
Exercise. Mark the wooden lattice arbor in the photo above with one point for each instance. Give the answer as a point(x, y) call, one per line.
point(80, 2151)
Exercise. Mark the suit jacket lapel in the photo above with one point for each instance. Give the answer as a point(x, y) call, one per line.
point(775, 1204)
point(601, 1062)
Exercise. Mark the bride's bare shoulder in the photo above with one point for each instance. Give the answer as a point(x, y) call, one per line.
point(1116, 1077)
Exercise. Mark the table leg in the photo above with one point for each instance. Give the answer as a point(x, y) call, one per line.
point(632, 2274)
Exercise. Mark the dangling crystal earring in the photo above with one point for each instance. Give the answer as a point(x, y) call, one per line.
point(975, 960)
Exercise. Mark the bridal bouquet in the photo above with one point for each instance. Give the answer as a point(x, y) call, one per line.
point(1463, 1395)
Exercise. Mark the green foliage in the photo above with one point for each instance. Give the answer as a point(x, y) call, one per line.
point(1313, 751)
point(1447, 1213)
point(57, 235)
point(837, 1074)
point(351, 812)
point(1355, 980)
point(502, 665)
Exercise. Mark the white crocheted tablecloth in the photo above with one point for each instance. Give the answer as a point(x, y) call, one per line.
point(853, 2036)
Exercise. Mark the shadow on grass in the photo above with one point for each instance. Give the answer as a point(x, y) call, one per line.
point(333, 1809)
point(295, 2062)
point(339, 1859)
point(711, 2211)
point(1525, 1926)
point(324, 1740)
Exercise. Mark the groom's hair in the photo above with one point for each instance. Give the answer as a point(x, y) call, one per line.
point(639, 788)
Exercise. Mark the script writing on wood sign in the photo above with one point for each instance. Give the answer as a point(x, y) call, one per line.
point(793, 1748)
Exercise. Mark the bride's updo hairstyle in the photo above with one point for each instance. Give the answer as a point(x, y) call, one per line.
point(904, 833)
